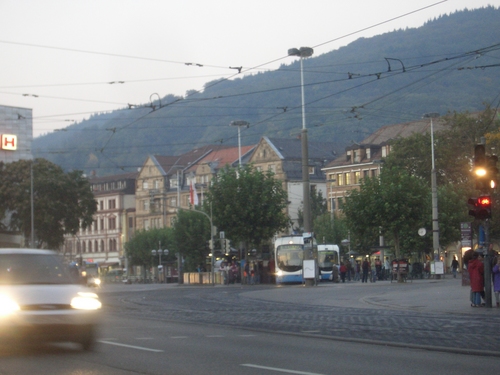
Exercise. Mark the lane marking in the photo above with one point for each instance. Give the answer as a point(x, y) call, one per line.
point(179, 337)
point(130, 346)
point(215, 336)
point(279, 369)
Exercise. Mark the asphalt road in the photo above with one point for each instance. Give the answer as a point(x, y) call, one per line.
point(426, 314)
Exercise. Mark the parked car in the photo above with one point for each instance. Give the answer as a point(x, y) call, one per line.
point(41, 301)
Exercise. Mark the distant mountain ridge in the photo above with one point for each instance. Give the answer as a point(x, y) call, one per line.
point(448, 64)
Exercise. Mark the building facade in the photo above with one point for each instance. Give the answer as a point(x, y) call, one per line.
point(113, 225)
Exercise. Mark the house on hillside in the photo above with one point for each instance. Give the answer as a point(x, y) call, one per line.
point(284, 158)
point(114, 223)
point(365, 159)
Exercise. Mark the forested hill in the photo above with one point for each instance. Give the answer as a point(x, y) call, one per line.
point(449, 64)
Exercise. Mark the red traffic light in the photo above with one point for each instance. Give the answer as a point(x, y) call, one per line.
point(484, 201)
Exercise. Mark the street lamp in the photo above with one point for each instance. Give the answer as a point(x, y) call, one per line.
point(239, 124)
point(160, 252)
point(304, 52)
point(435, 225)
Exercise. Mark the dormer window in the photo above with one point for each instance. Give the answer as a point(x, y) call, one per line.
point(368, 153)
point(348, 157)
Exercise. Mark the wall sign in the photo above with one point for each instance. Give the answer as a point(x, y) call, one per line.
point(9, 142)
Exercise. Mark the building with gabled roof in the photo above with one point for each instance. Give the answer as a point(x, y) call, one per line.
point(365, 159)
point(283, 157)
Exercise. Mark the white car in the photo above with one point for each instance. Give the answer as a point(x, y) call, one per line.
point(40, 301)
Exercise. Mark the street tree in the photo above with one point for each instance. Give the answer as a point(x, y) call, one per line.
point(391, 203)
point(63, 202)
point(139, 248)
point(248, 204)
point(191, 233)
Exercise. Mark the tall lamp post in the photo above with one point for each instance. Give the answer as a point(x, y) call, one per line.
point(239, 124)
point(435, 224)
point(304, 52)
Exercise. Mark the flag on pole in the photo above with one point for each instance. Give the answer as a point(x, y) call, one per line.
point(193, 196)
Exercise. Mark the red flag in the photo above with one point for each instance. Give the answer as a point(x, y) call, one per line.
point(193, 196)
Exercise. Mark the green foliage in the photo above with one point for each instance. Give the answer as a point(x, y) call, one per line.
point(191, 233)
point(138, 249)
point(62, 201)
point(392, 202)
point(330, 230)
point(248, 205)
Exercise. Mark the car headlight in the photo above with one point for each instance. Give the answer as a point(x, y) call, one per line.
point(97, 281)
point(7, 305)
point(86, 301)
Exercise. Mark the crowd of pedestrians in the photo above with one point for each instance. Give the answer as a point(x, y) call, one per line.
point(474, 263)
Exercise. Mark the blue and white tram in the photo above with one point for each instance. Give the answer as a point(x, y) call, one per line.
point(328, 255)
point(289, 256)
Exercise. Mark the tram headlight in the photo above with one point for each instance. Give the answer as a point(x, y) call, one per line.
point(279, 273)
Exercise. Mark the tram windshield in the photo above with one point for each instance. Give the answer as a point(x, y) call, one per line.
point(289, 257)
point(326, 259)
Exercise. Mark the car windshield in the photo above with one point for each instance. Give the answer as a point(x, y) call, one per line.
point(19, 269)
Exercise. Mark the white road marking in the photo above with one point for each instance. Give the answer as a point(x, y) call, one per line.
point(279, 369)
point(215, 336)
point(179, 337)
point(131, 346)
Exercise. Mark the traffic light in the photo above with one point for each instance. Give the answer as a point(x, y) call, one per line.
point(480, 167)
point(481, 207)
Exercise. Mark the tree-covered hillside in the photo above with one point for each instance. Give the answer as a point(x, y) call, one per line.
point(449, 64)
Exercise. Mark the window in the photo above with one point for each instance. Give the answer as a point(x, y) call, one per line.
point(347, 177)
point(369, 153)
point(145, 185)
point(357, 176)
point(130, 222)
point(146, 224)
point(112, 223)
point(112, 204)
point(145, 205)
point(340, 179)
point(102, 224)
point(84, 248)
point(272, 168)
point(90, 246)
point(102, 246)
point(157, 184)
point(101, 205)
point(311, 170)
point(366, 173)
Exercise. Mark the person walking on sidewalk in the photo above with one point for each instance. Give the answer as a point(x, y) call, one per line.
point(365, 267)
point(454, 267)
point(476, 273)
point(343, 271)
point(496, 281)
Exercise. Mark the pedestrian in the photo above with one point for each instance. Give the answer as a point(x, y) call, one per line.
point(343, 271)
point(357, 270)
point(247, 272)
point(378, 268)
point(335, 273)
point(476, 274)
point(349, 270)
point(496, 280)
point(365, 268)
point(427, 269)
point(387, 268)
point(454, 266)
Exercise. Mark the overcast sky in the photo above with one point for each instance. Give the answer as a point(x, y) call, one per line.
point(58, 57)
